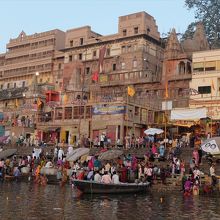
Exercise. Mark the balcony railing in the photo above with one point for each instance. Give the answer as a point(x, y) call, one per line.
point(126, 78)
point(180, 77)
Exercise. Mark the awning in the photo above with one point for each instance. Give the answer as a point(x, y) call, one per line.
point(50, 129)
point(188, 114)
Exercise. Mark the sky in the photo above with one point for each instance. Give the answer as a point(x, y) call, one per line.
point(34, 16)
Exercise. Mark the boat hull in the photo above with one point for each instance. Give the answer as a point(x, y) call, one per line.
point(94, 187)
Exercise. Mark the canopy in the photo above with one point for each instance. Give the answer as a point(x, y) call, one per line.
point(153, 131)
point(188, 114)
point(110, 154)
point(211, 145)
point(77, 153)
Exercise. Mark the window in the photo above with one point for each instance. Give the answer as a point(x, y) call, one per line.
point(123, 49)
point(204, 89)
point(123, 66)
point(124, 32)
point(71, 43)
point(129, 48)
point(8, 85)
point(94, 54)
point(80, 56)
point(68, 113)
point(114, 66)
point(60, 65)
point(108, 52)
point(14, 85)
point(23, 84)
point(134, 63)
point(70, 58)
point(136, 111)
point(87, 70)
point(1, 86)
point(136, 30)
point(198, 67)
point(210, 66)
point(81, 41)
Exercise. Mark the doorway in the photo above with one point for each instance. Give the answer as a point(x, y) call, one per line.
point(66, 137)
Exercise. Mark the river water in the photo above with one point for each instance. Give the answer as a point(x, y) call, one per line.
point(28, 201)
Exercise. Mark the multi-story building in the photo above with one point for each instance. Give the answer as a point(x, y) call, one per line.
point(206, 80)
point(96, 73)
point(25, 69)
point(83, 77)
point(177, 65)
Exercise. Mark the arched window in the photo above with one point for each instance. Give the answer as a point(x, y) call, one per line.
point(181, 67)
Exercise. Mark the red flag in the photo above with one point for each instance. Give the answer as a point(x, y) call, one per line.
point(95, 76)
point(101, 58)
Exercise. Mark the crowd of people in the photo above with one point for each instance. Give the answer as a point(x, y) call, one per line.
point(161, 160)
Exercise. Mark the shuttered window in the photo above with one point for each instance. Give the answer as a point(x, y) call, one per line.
point(197, 67)
point(210, 66)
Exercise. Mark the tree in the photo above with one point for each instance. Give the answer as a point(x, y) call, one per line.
point(208, 12)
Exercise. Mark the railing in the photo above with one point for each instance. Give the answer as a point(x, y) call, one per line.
point(126, 78)
point(180, 77)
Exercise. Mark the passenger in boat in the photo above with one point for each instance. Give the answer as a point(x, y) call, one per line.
point(97, 163)
point(81, 175)
point(16, 172)
point(123, 176)
point(115, 178)
point(1, 174)
point(90, 175)
point(97, 177)
point(106, 178)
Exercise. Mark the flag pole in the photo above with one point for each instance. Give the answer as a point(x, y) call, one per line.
point(165, 113)
point(211, 115)
point(126, 118)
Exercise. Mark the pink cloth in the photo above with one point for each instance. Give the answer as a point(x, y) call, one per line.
point(106, 179)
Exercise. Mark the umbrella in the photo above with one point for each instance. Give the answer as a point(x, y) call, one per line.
point(7, 153)
point(77, 153)
point(153, 131)
point(211, 145)
point(110, 154)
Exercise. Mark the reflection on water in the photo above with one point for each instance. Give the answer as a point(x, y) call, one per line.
point(27, 201)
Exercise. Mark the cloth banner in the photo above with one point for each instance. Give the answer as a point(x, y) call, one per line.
point(188, 114)
point(210, 147)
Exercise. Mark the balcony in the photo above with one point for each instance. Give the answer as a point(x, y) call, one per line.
point(180, 77)
point(12, 93)
point(127, 78)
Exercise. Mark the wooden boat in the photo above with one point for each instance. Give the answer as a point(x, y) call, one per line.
point(22, 178)
point(95, 187)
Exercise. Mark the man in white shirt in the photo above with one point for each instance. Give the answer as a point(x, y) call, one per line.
point(60, 154)
point(97, 177)
point(115, 178)
point(102, 139)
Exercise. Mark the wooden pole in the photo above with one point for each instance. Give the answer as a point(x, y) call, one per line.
point(211, 115)
point(126, 118)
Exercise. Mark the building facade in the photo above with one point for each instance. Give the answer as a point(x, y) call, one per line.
point(26, 71)
point(206, 80)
